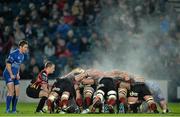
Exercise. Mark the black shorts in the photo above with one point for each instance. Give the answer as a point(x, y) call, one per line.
point(62, 85)
point(33, 92)
point(139, 90)
point(106, 84)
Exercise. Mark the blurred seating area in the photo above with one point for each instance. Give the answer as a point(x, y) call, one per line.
point(66, 31)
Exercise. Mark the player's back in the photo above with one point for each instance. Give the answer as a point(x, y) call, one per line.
point(154, 87)
point(66, 82)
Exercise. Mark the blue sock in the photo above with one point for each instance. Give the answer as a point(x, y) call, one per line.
point(14, 104)
point(8, 103)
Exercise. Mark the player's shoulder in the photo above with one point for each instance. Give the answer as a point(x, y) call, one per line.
point(14, 52)
point(152, 83)
point(44, 73)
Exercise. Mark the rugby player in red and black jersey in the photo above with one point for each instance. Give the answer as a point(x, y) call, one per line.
point(39, 87)
point(64, 90)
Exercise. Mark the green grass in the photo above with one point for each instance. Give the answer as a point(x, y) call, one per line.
point(27, 109)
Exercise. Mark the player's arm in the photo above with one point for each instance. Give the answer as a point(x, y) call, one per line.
point(9, 62)
point(88, 81)
point(79, 100)
point(50, 86)
point(44, 84)
point(45, 87)
point(8, 66)
point(18, 76)
point(77, 88)
point(80, 77)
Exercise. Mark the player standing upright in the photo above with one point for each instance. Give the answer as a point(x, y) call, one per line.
point(11, 74)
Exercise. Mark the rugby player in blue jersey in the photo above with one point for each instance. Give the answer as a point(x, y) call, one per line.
point(158, 96)
point(11, 74)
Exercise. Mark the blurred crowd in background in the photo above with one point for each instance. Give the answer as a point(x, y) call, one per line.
point(66, 31)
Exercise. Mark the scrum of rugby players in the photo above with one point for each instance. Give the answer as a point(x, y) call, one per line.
point(92, 91)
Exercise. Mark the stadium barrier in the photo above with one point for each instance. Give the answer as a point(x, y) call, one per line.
point(178, 92)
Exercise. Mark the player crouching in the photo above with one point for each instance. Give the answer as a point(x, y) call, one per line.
point(137, 93)
point(61, 94)
point(105, 91)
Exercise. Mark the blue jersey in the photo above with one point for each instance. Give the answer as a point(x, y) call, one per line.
point(15, 59)
point(155, 90)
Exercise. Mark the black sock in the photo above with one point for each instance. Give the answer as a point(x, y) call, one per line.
point(134, 107)
point(84, 104)
point(41, 104)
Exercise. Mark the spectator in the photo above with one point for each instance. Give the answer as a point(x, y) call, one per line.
point(73, 46)
point(61, 50)
point(63, 28)
point(7, 32)
point(77, 8)
point(84, 45)
point(1, 46)
point(48, 21)
point(68, 18)
point(70, 35)
point(9, 44)
point(35, 71)
point(70, 65)
point(1, 56)
point(49, 49)
point(164, 25)
point(24, 74)
point(19, 35)
point(40, 31)
point(28, 31)
point(32, 64)
point(1, 26)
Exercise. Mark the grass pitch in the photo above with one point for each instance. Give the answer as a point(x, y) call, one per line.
point(27, 109)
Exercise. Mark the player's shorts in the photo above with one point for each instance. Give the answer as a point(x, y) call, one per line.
point(63, 85)
point(157, 94)
point(106, 84)
point(139, 90)
point(33, 92)
point(8, 79)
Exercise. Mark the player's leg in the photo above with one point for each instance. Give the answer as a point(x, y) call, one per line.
point(159, 98)
point(111, 94)
point(152, 105)
point(122, 92)
point(122, 96)
point(111, 100)
point(146, 94)
point(98, 98)
point(17, 92)
point(88, 93)
point(163, 106)
point(133, 103)
point(51, 98)
point(10, 94)
point(79, 100)
point(43, 95)
point(64, 99)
